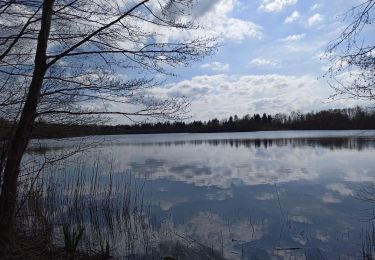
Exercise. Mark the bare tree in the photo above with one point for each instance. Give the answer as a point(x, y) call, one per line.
point(74, 60)
point(353, 55)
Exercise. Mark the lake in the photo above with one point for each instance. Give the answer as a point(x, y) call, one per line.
point(259, 195)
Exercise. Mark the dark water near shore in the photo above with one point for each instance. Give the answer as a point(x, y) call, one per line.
point(265, 195)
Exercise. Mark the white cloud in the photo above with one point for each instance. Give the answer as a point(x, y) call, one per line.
point(323, 56)
point(275, 5)
point(216, 66)
point(292, 18)
point(222, 94)
point(294, 38)
point(297, 45)
point(315, 7)
point(263, 62)
point(315, 19)
point(237, 30)
point(218, 19)
point(215, 19)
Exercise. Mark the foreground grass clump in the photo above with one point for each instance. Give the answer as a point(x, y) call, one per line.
point(79, 210)
point(85, 210)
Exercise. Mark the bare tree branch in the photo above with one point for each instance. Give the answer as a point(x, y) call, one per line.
point(353, 55)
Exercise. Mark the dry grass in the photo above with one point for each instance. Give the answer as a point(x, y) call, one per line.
point(108, 206)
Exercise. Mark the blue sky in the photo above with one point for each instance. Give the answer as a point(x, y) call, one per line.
point(269, 61)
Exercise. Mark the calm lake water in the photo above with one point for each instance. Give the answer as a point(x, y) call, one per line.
point(261, 195)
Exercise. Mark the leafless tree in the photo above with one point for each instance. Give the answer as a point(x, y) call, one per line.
point(353, 55)
point(74, 60)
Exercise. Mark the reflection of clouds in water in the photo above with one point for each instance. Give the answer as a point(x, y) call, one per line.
point(340, 188)
point(216, 167)
point(212, 230)
point(322, 236)
point(225, 178)
point(166, 204)
point(194, 169)
point(358, 174)
point(206, 165)
point(300, 239)
point(314, 209)
point(310, 177)
point(301, 219)
point(220, 195)
point(226, 162)
point(330, 198)
point(265, 196)
point(291, 254)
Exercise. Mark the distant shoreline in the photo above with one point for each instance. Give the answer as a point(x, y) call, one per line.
point(334, 119)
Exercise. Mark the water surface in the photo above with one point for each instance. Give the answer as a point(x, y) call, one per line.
point(265, 195)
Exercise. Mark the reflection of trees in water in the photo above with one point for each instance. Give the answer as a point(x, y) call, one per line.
point(332, 143)
point(347, 142)
point(351, 143)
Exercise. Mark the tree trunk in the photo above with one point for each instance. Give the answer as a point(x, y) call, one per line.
point(21, 137)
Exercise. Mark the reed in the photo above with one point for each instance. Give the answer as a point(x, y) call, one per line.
point(103, 209)
point(82, 207)
point(368, 243)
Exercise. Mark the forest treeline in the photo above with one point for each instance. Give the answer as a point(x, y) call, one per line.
point(333, 119)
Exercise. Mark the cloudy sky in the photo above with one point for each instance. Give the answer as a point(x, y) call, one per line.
point(270, 59)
